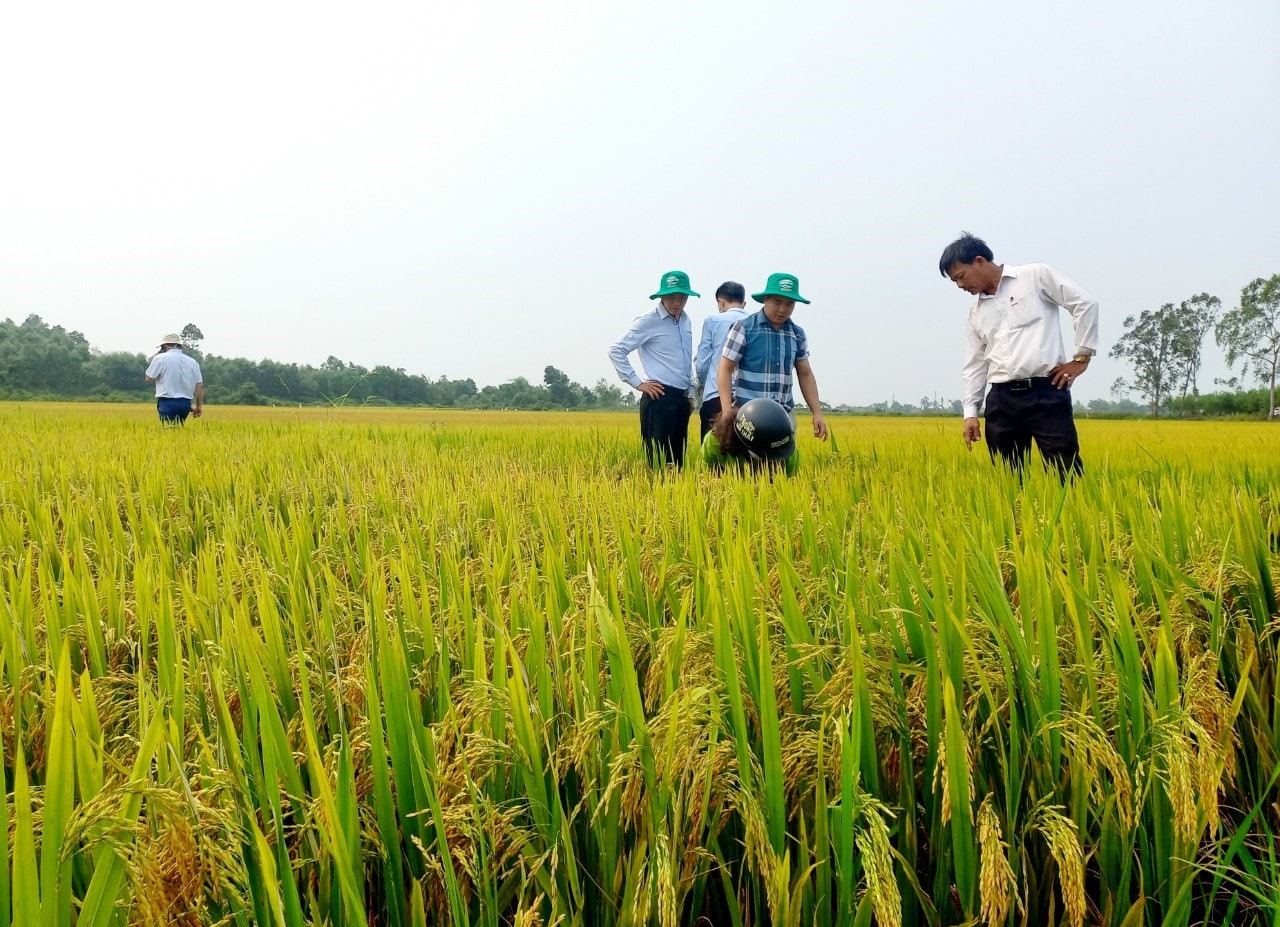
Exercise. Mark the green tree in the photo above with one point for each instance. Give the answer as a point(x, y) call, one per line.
point(120, 372)
point(560, 388)
point(1196, 318)
point(1250, 334)
point(37, 358)
point(1150, 342)
point(608, 395)
point(449, 393)
point(192, 336)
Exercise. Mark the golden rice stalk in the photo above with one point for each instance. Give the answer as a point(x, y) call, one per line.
point(777, 887)
point(1064, 846)
point(759, 851)
point(528, 915)
point(1177, 760)
point(877, 861)
point(640, 901)
point(940, 778)
point(996, 880)
point(1092, 751)
point(1208, 709)
point(668, 906)
point(1208, 780)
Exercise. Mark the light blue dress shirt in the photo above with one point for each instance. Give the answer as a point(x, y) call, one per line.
point(711, 346)
point(665, 346)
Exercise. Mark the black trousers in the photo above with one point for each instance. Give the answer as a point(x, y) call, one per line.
point(708, 414)
point(1026, 410)
point(664, 426)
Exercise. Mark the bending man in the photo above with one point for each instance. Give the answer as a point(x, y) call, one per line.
point(1015, 346)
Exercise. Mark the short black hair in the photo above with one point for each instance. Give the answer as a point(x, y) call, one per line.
point(734, 292)
point(963, 251)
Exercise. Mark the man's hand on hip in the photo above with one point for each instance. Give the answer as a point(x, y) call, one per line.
point(1065, 374)
point(651, 388)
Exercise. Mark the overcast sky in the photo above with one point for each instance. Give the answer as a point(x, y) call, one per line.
point(480, 189)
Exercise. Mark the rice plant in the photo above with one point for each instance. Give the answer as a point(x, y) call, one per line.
point(394, 667)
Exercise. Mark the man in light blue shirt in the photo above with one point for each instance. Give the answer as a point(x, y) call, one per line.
point(663, 337)
point(730, 301)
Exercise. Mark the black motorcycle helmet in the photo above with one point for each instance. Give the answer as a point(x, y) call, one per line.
point(765, 430)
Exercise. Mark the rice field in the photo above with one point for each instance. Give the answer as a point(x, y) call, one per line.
point(386, 667)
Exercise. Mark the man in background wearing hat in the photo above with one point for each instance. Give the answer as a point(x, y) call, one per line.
point(729, 301)
point(178, 382)
point(663, 337)
point(764, 349)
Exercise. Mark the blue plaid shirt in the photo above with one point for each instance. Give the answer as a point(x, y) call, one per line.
point(766, 358)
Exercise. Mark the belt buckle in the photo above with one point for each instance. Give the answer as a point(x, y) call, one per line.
point(1019, 386)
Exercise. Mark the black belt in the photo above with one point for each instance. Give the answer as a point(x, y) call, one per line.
point(1021, 386)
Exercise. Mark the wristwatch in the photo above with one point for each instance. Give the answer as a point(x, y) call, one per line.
point(1082, 358)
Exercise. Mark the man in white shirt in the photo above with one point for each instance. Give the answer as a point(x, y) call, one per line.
point(731, 301)
point(1014, 345)
point(179, 386)
point(663, 337)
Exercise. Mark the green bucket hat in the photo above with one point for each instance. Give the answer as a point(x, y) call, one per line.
point(784, 285)
point(674, 281)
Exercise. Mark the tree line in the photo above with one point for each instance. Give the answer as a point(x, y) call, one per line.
point(1165, 347)
point(42, 361)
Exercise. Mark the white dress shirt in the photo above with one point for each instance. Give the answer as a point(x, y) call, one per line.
point(665, 346)
point(1015, 334)
point(176, 374)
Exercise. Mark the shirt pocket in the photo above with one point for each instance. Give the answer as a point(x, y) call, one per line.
point(1022, 311)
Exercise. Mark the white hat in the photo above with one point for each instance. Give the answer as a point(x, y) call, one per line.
point(170, 338)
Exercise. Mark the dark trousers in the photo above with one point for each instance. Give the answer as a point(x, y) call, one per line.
point(1034, 409)
point(664, 426)
point(707, 415)
point(173, 411)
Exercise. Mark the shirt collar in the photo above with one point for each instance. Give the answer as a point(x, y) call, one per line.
point(665, 316)
point(1006, 270)
point(763, 321)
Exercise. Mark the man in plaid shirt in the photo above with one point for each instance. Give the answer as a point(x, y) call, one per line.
point(764, 349)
